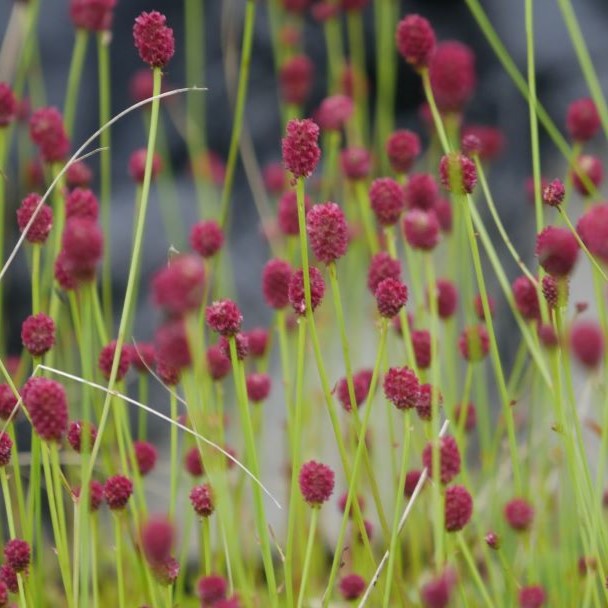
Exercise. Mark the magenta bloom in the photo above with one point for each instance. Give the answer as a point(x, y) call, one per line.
point(153, 39)
point(224, 317)
point(92, 15)
point(38, 334)
point(557, 251)
point(295, 79)
point(297, 297)
point(402, 387)
point(458, 173)
point(178, 287)
point(391, 297)
point(583, 120)
point(327, 231)
point(402, 149)
point(449, 459)
point(316, 482)
point(453, 77)
point(43, 222)
point(46, 403)
point(301, 151)
point(201, 498)
point(206, 238)
point(458, 508)
point(48, 133)
point(415, 40)
point(382, 266)
point(117, 490)
point(387, 199)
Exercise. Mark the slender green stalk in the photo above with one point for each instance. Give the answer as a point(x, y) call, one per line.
point(474, 570)
point(103, 58)
point(36, 251)
point(252, 460)
point(331, 165)
point(71, 95)
point(135, 260)
point(173, 458)
point(3, 144)
point(366, 215)
point(296, 441)
point(239, 110)
point(356, 45)
point(312, 530)
point(120, 577)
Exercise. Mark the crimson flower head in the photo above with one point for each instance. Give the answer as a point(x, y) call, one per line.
point(172, 347)
point(17, 554)
point(551, 291)
point(334, 112)
point(421, 229)
point(452, 74)
point(526, 297)
point(424, 407)
point(157, 538)
point(218, 363)
point(352, 586)
point(106, 359)
point(212, 589)
point(447, 298)
point(201, 498)
point(274, 178)
point(63, 273)
point(153, 39)
point(38, 334)
point(241, 343)
point(92, 15)
point(145, 456)
point(533, 596)
point(142, 356)
point(421, 343)
point(449, 459)
point(137, 165)
point(117, 490)
point(402, 148)
point(78, 175)
point(474, 343)
point(478, 306)
point(583, 120)
point(356, 162)
point(178, 287)
point(193, 462)
point(297, 297)
point(415, 40)
point(224, 317)
point(361, 385)
point(387, 200)
point(466, 416)
point(295, 79)
point(6, 446)
point(43, 222)
point(95, 495)
point(82, 202)
point(327, 231)
point(587, 343)
point(258, 387)
point(76, 429)
point(316, 482)
point(438, 591)
point(382, 266)
point(287, 213)
point(8, 401)
point(443, 211)
point(391, 297)
point(301, 151)
point(206, 238)
point(82, 243)
point(9, 578)
point(592, 168)
point(258, 341)
point(554, 193)
point(8, 105)
point(490, 141)
point(519, 514)
point(557, 250)
point(275, 283)
point(458, 173)
point(47, 405)
point(593, 230)
point(458, 508)
point(411, 481)
point(48, 133)
point(402, 387)
point(421, 191)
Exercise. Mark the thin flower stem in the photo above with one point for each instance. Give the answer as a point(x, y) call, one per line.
point(352, 478)
point(76, 64)
point(356, 44)
point(312, 530)
point(11, 527)
point(239, 110)
point(499, 225)
point(295, 461)
point(366, 215)
point(103, 58)
point(120, 578)
point(173, 458)
point(405, 451)
point(331, 165)
point(252, 459)
point(135, 260)
point(474, 570)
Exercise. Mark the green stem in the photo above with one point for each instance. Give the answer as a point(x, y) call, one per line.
point(366, 215)
point(252, 460)
point(174, 464)
point(71, 96)
point(135, 260)
point(103, 58)
point(36, 250)
point(120, 579)
point(309, 545)
point(474, 570)
point(239, 110)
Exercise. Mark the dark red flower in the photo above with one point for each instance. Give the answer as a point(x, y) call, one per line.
point(117, 490)
point(352, 586)
point(9, 577)
point(391, 297)
point(361, 385)
point(258, 341)
point(78, 175)
point(526, 297)
point(43, 222)
point(587, 343)
point(453, 77)
point(458, 508)
point(201, 498)
point(519, 514)
point(469, 414)
point(316, 482)
point(76, 428)
point(157, 538)
point(474, 343)
point(258, 387)
point(387, 200)
point(402, 148)
point(172, 346)
point(242, 346)
point(327, 232)
point(274, 178)
point(6, 446)
point(415, 40)
point(224, 317)
point(449, 459)
point(421, 191)
point(490, 140)
point(206, 238)
point(81, 202)
point(218, 363)
point(583, 120)
point(295, 79)
point(557, 250)
point(178, 288)
point(356, 162)
point(38, 334)
point(592, 168)
point(301, 151)
point(593, 230)
point(46, 403)
point(153, 39)
point(554, 193)
point(287, 213)
point(532, 597)
point(211, 589)
point(145, 456)
point(382, 266)
point(297, 297)
point(92, 15)
point(458, 173)
point(275, 283)
point(334, 112)
point(48, 133)
point(8, 105)
point(142, 356)
point(421, 342)
point(411, 481)
point(137, 165)
point(447, 298)
point(82, 248)
point(106, 360)
point(401, 387)
point(421, 229)
point(8, 401)
point(438, 591)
